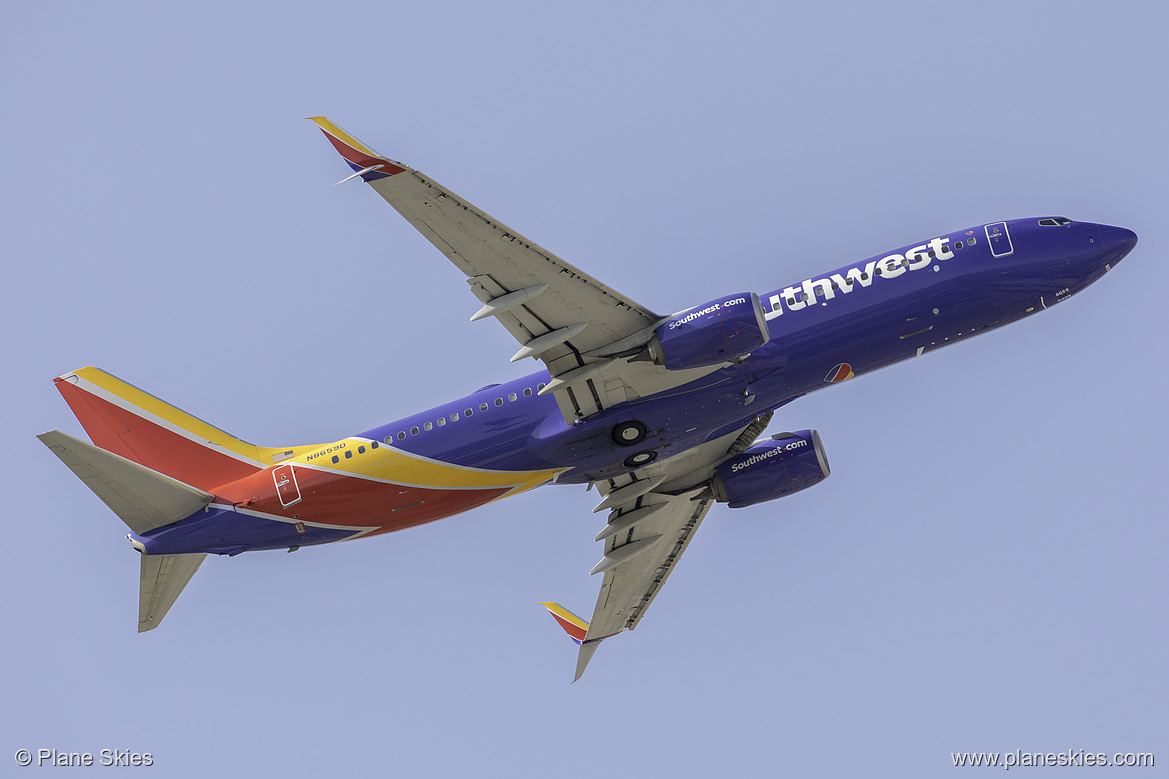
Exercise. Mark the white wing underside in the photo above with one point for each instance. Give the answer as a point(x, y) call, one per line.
point(536, 295)
point(660, 525)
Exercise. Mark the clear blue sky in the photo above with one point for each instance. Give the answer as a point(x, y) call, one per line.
point(985, 571)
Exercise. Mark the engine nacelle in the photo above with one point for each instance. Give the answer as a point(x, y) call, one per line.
point(721, 330)
point(788, 463)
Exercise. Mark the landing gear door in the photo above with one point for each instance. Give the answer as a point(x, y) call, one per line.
point(286, 486)
point(999, 239)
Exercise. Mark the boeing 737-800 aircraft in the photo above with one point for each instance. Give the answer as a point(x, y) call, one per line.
point(662, 414)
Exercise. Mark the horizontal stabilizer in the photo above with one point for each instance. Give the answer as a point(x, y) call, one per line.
point(144, 499)
point(163, 579)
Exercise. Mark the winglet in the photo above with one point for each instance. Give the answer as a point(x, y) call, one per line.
point(366, 162)
point(577, 629)
point(574, 626)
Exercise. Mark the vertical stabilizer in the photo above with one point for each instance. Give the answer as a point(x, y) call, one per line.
point(163, 579)
point(133, 424)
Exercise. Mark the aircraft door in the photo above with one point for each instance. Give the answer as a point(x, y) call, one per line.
point(999, 239)
point(286, 486)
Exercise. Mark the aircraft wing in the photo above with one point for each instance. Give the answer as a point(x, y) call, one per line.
point(557, 313)
point(653, 515)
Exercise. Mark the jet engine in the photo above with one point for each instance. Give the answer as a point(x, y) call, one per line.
point(788, 463)
point(716, 332)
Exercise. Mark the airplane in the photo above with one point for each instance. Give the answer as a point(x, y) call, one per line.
point(664, 415)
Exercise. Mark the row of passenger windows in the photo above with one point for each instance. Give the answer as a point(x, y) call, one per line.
point(360, 450)
point(467, 412)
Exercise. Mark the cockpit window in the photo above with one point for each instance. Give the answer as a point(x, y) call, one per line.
point(1059, 221)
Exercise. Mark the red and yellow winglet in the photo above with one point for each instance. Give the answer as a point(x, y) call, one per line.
point(577, 629)
point(366, 162)
point(574, 626)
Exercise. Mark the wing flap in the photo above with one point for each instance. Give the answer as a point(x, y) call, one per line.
point(631, 585)
point(662, 522)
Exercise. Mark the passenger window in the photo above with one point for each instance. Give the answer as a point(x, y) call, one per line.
point(336, 459)
point(441, 421)
point(540, 386)
point(499, 401)
point(413, 431)
point(527, 392)
point(511, 397)
point(428, 426)
point(970, 241)
point(373, 444)
point(348, 454)
point(455, 417)
point(864, 275)
point(401, 436)
point(361, 450)
point(467, 412)
point(389, 440)
point(482, 406)
point(958, 244)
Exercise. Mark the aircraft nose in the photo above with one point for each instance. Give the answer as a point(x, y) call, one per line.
point(1118, 240)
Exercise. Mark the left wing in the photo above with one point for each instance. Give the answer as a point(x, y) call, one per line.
point(557, 313)
point(653, 515)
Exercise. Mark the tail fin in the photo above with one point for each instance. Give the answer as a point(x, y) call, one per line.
point(135, 425)
point(577, 629)
point(145, 500)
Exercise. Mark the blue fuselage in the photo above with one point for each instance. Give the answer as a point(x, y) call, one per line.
point(847, 322)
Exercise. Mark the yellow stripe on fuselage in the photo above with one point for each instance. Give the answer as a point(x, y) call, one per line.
point(387, 463)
